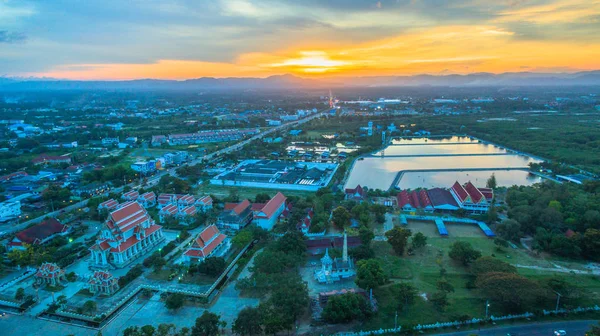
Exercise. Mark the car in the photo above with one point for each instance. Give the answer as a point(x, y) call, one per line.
point(560, 333)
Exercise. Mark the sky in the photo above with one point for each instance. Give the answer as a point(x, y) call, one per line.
point(180, 39)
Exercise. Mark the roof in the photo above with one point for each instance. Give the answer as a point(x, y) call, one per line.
point(273, 205)
point(148, 196)
point(189, 210)
point(49, 270)
point(170, 209)
point(110, 204)
point(238, 209)
point(131, 195)
point(488, 193)
point(186, 199)
point(39, 232)
point(128, 216)
point(205, 200)
point(425, 201)
point(414, 199)
point(102, 278)
point(403, 198)
point(358, 190)
point(206, 242)
point(476, 195)
point(460, 191)
point(439, 197)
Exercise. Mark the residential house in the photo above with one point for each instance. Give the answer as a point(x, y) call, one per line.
point(131, 195)
point(184, 201)
point(167, 211)
point(204, 203)
point(147, 200)
point(186, 215)
point(108, 205)
point(166, 199)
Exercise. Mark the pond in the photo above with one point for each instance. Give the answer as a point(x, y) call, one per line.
point(439, 163)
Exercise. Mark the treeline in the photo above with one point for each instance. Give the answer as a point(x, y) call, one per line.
point(564, 219)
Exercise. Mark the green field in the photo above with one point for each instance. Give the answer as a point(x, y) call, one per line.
point(422, 270)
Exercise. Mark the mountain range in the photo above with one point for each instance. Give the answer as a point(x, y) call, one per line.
point(589, 78)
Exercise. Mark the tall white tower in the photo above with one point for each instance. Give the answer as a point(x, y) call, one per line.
point(345, 250)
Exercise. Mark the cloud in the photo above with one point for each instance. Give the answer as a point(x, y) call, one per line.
point(11, 37)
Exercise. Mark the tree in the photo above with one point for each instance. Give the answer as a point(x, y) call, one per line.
point(591, 244)
point(491, 182)
point(509, 229)
point(262, 198)
point(90, 306)
point(243, 238)
point(366, 235)
point(212, 266)
point(292, 243)
point(419, 240)
point(290, 296)
point(511, 290)
point(345, 308)
point(369, 274)
point(594, 331)
point(463, 252)
point(20, 294)
point(165, 329)
point(398, 237)
point(174, 301)
point(148, 330)
point(490, 264)
point(405, 294)
point(444, 286)
point(248, 322)
point(207, 324)
point(439, 300)
point(340, 217)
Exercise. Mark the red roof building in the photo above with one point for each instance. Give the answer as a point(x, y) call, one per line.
point(204, 203)
point(128, 233)
point(266, 215)
point(235, 216)
point(357, 194)
point(108, 205)
point(50, 274)
point(102, 282)
point(168, 210)
point(209, 243)
point(131, 195)
point(164, 199)
point(185, 201)
point(38, 234)
point(147, 200)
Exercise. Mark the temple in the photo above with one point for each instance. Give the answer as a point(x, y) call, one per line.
point(209, 243)
point(102, 282)
point(128, 233)
point(333, 270)
point(50, 274)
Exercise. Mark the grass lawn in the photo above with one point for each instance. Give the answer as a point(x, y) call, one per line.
point(422, 270)
point(197, 279)
point(162, 275)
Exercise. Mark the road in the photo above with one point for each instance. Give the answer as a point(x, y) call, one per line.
point(154, 179)
point(573, 328)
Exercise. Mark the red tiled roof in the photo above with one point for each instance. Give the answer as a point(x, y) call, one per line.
point(424, 198)
point(358, 190)
point(186, 199)
point(128, 216)
point(170, 209)
point(110, 204)
point(460, 191)
point(488, 193)
point(206, 200)
point(49, 271)
point(476, 195)
point(206, 242)
point(102, 278)
point(238, 209)
point(41, 231)
point(273, 204)
point(414, 199)
point(148, 196)
point(403, 198)
point(131, 195)
point(258, 206)
point(189, 210)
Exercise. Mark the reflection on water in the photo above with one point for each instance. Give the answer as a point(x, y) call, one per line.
point(379, 172)
point(504, 178)
point(415, 141)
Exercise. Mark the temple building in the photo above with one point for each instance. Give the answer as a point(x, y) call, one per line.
point(102, 282)
point(50, 274)
point(333, 270)
point(235, 216)
point(209, 243)
point(128, 233)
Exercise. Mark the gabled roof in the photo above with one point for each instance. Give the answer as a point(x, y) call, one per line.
point(189, 210)
point(273, 204)
point(440, 197)
point(238, 209)
point(403, 198)
point(110, 204)
point(358, 190)
point(102, 278)
point(41, 231)
point(186, 199)
point(131, 195)
point(49, 271)
point(414, 199)
point(128, 216)
point(476, 195)
point(488, 193)
point(206, 242)
point(148, 196)
point(170, 209)
point(460, 191)
point(205, 200)
point(424, 198)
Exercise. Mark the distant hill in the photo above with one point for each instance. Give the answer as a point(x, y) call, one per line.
point(590, 78)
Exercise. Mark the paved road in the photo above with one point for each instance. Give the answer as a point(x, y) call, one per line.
point(573, 328)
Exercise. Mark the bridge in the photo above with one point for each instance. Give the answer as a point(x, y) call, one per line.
point(440, 222)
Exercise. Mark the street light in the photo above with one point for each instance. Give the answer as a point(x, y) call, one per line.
point(557, 302)
point(487, 306)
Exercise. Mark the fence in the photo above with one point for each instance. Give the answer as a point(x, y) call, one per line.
point(438, 325)
point(29, 271)
point(575, 310)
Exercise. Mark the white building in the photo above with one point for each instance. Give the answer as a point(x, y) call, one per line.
point(128, 233)
point(9, 210)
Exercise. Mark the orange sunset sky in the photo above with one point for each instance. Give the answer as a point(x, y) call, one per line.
point(114, 40)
